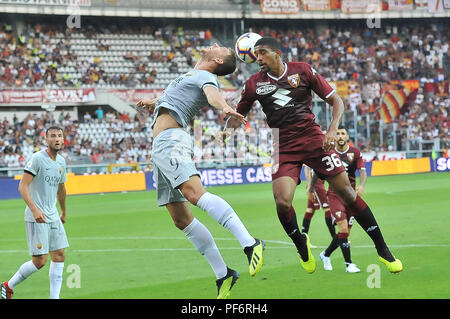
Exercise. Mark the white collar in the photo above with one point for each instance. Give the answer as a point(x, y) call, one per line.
point(348, 147)
point(278, 79)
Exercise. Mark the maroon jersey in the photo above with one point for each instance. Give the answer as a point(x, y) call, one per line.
point(286, 100)
point(352, 161)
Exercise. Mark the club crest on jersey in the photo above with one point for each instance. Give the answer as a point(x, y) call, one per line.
point(60, 170)
point(350, 156)
point(294, 80)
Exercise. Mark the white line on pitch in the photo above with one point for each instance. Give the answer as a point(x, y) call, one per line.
point(118, 250)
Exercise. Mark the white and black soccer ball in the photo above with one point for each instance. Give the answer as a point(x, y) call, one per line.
point(245, 47)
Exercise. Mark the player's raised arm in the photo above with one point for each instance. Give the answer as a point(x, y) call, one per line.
point(62, 201)
point(216, 100)
point(337, 111)
point(25, 193)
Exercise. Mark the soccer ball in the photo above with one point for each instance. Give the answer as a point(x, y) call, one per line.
point(244, 47)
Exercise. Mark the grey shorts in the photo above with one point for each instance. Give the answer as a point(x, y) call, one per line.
point(43, 237)
point(172, 154)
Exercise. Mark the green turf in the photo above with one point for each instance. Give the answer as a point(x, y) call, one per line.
point(127, 247)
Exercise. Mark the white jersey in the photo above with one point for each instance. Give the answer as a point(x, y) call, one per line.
point(184, 96)
point(48, 174)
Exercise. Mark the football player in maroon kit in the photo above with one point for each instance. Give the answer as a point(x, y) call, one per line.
point(351, 158)
point(284, 91)
point(317, 199)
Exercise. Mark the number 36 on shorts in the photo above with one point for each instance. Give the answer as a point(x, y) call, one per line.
point(332, 161)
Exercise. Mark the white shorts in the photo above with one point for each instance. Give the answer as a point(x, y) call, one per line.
point(172, 154)
point(43, 237)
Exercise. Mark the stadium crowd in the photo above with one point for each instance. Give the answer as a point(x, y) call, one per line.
point(32, 60)
point(128, 139)
point(412, 51)
point(342, 53)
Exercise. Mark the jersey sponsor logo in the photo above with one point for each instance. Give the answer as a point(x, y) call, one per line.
point(282, 98)
point(294, 80)
point(262, 83)
point(266, 89)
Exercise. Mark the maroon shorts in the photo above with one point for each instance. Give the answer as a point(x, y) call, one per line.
point(304, 147)
point(338, 209)
point(320, 200)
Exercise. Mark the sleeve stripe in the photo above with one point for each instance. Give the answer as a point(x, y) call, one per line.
point(330, 94)
point(209, 84)
point(26, 171)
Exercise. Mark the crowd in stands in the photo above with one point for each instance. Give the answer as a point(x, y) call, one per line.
point(127, 139)
point(32, 60)
point(414, 51)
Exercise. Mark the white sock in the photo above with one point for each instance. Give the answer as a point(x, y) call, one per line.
point(224, 214)
point(202, 239)
point(23, 273)
point(56, 277)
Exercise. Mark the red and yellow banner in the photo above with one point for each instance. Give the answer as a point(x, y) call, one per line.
point(392, 103)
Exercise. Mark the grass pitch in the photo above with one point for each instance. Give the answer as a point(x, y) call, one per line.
point(124, 246)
